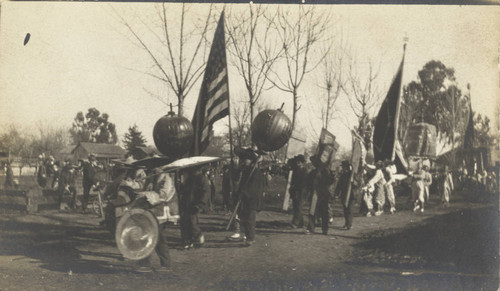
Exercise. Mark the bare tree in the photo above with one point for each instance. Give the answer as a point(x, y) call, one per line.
point(241, 128)
point(180, 61)
point(253, 49)
point(363, 95)
point(298, 34)
point(332, 79)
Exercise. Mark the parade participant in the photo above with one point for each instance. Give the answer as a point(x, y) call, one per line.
point(89, 179)
point(320, 180)
point(226, 188)
point(447, 187)
point(418, 188)
point(9, 177)
point(163, 190)
point(491, 182)
point(427, 182)
point(298, 189)
point(41, 171)
point(193, 196)
point(377, 183)
point(161, 251)
point(366, 206)
point(342, 189)
point(67, 179)
point(250, 192)
point(211, 198)
point(389, 171)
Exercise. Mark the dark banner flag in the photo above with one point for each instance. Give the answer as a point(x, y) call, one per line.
point(469, 132)
point(213, 101)
point(385, 140)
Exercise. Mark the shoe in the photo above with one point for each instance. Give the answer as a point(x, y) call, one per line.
point(234, 237)
point(417, 207)
point(393, 209)
point(378, 213)
point(331, 220)
point(345, 227)
point(294, 226)
point(187, 246)
point(144, 269)
point(249, 243)
point(422, 210)
point(369, 214)
point(307, 231)
point(163, 269)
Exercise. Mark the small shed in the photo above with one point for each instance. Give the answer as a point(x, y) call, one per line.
point(104, 152)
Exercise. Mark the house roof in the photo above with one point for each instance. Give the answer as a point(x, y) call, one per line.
point(102, 150)
point(148, 150)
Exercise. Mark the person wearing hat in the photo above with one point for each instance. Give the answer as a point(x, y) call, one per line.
point(89, 179)
point(342, 190)
point(319, 181)
point(298, 189)
point(250, 192)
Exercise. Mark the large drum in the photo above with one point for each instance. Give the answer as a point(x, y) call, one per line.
point(137, 234)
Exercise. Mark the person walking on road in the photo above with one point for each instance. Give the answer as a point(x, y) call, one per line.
point(320, 180)
point(298, 189)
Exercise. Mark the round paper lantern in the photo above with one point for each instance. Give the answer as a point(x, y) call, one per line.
point(271, 129)
point(173, 135)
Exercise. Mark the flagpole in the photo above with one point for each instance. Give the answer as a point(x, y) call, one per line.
point(231, 153)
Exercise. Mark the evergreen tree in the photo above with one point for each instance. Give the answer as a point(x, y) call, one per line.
point(133, 139)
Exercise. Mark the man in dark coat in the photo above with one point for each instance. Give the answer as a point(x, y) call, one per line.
point(342, 191)
point(89, 179)
point(9, 177)
point(193, 199)
point(320, 180)
point(250, 192)
point(298, 189)
point(67, 179)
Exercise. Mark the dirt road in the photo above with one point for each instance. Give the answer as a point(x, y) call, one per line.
point(442, 249)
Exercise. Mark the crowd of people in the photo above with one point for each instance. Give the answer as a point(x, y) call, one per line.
point(189, 192)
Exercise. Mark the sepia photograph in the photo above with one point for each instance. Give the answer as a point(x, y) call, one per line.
point(249, 146)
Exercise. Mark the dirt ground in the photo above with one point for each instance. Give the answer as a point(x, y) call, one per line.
point(455, 248)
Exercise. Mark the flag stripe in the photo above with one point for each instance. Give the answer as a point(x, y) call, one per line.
point(214, 100)
point(215, 82)
point(211, 118)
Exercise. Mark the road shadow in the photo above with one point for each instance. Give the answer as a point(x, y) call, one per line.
point(56, 247)
point(465, 241)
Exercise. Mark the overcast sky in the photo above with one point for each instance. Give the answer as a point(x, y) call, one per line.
point(80, 56)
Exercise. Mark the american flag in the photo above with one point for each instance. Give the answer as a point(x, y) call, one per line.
point(213, 101)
